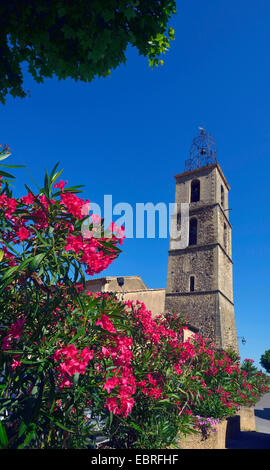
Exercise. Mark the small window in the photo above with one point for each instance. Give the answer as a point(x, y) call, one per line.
point(195, 191)
point(192, 283)
point(193, 231)
point(222, 195)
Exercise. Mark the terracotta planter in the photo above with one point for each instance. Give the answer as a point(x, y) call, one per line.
point(215, 440)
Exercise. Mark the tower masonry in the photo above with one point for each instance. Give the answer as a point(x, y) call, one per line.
point(200, 276)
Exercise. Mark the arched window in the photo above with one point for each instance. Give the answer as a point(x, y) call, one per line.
point(195, 191)
point(191, 283)
point(193, 231)
point(222, 195)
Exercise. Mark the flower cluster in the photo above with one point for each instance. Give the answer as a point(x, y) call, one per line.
point(72, 203)
point(60, 212)
point(206, 424)
point(151, 386)
point(71, 362)
point(90, 253)
point(13, 334)
point(152, 329)
point(123, 384)
point(8, 205)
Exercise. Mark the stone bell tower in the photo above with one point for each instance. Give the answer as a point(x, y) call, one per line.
point(199, 279)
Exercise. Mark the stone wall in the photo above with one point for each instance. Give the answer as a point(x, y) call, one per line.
point(215, 440)
point(199, 310)
point(225, 274)
point(222, 218)
point(247, 419)
point(228, 326)
point(154, 299)
point(207, 185)
point(199, 262)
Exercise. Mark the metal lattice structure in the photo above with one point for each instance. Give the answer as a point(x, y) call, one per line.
point(203, 151)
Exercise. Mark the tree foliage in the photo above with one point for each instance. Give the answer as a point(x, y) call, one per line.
point(265, 361)
point(249, 368)
point(81, 40)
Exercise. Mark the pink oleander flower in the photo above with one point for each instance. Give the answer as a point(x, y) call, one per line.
point(178, 369)
point(23, 233)
point(79, 287)
point(111, 383)
point(29, 199)
point(90, 253)
point(40, 218)
point(60, 185)
point(73, 204)
point(15, 364)
point(44, 201)
point(105, 352)
point(85, 209)
point(127, 404)
point(117, 231)
point(13, 334)
point(72, 362)
point(8, 205)
point(106, 324)
point(112, 405)
point(96, 219)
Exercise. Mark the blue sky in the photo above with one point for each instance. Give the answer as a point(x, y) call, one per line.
point(129, 134)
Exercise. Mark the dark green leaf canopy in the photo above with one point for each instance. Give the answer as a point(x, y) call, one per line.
point(79, 39)
point(265, 361)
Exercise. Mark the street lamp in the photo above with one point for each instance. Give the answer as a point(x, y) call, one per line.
point(243, 340)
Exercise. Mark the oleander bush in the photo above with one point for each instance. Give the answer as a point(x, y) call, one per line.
point(76, 365)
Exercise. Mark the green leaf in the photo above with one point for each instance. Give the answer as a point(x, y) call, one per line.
point(76, 379)
point(72, 188)
point(171, 33)
point(4, 155)
point(3, 435)
point(9, 272)
point(136, 426)
point(61, 12)
point(55, 176)
point(42, 240)
point(53, 170)
point(36, 260)
point(22, 429)
point(46, 185)
point(29, 190)
point(13, 166)
point(30, 435)
point(7, 175)
point(57, 423)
